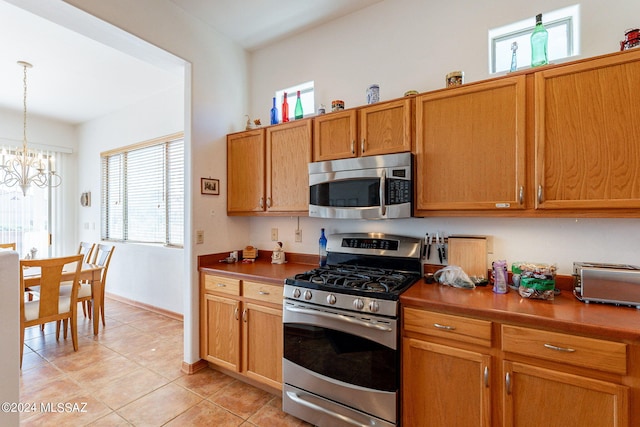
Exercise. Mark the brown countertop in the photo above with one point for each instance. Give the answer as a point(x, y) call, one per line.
point(565, 313)
point(261, 270)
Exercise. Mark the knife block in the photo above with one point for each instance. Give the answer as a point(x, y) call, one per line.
point(469, 253)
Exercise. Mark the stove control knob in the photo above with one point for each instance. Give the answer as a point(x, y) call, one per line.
point(358, 304)
point(331, 299)
point(307, 295)
point(296, 293)
point(374, 307)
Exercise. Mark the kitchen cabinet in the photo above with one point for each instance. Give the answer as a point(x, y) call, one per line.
point(446, 383)
point(265, 170)
point(245, 172)
point(536, 395)
point(470, 147)
point(459, 370)
point(241, 327)
point(220, 339)
point(381, 128)
point(587, 133)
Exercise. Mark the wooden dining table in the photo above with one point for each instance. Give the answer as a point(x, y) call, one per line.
point(91, 273)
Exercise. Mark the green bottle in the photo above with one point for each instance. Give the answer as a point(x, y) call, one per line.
point(539, 39)
point(298, 110)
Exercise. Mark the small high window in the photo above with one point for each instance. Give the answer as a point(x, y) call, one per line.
point(563, 26)
point(306, 96)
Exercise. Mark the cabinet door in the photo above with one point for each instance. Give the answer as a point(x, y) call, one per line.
point(470, 145)
point(222, 331)
point(262, 344)
point(587, 133)
point(245, 172)
point(334, 136)
point(288, 156)
point(444, 386)
point(537, 397)
point(386, 128)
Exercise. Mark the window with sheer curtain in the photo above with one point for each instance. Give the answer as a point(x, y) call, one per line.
point(142, 198)
point(27, 220)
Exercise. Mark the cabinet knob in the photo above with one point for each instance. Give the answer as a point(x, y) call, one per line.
point(353, 147)
point(235, 313)
point(521, 195)
point(362, 146)
point(539, 194)
point(486, 376)
point(261, 202)
point(507, 382)
point(268, 202)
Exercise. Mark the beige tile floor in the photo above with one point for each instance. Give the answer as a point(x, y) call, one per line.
point(130, 375)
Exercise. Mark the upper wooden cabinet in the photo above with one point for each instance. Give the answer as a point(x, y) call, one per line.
point(381, 128)
point(335, 135)
point(587, 132)
point(267, 170)
point(245, 172)
point(470, 147)
point(288, 156)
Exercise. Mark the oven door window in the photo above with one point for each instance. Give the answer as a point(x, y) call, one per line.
point(341, 356)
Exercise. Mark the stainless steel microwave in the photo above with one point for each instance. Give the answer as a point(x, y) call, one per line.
point(373, 187)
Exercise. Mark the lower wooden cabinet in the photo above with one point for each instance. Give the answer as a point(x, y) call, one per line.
point(241, 327)
point(537, 396)
point(520, 376)
point(444, 385)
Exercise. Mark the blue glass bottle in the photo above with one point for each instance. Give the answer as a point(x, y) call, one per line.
point(322, 248)
point(274, 113)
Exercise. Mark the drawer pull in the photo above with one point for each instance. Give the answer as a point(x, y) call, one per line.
point(221, 285)
point(444, 327)
point(507, 382)
point(556, 348)
point(263, 293)
point(244, 315)
point(235, 313)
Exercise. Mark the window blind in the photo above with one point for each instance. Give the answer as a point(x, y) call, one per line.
point(142, 195)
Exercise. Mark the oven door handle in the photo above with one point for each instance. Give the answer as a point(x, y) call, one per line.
point(383, 185)
point(339, 317)
point(299, 400)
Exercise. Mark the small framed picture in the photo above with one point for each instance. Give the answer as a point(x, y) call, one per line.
point(209, 186)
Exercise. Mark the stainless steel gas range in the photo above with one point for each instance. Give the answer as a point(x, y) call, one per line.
point(341, 364)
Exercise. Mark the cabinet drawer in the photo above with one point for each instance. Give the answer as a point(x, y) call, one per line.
point(458, 328)
point(262, 292)
point(590, 353)
point(220, 284)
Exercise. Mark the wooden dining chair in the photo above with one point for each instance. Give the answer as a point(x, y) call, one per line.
point(51, 306)
point(102, 257)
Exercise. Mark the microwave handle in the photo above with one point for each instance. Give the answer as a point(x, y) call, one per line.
point(383, 184)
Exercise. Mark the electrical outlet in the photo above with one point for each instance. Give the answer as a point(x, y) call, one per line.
point(298, 235)
point(199, 237)
point(274, 234)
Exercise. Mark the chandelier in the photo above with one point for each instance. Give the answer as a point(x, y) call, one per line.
point(24, 166)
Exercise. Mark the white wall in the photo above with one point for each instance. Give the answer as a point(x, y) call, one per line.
point(214, 105)
point(147, 273)
point(413, 44)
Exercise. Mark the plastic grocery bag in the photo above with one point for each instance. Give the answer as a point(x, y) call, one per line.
point(453, 275)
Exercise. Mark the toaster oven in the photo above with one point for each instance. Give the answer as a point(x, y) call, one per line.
point(607, 283)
